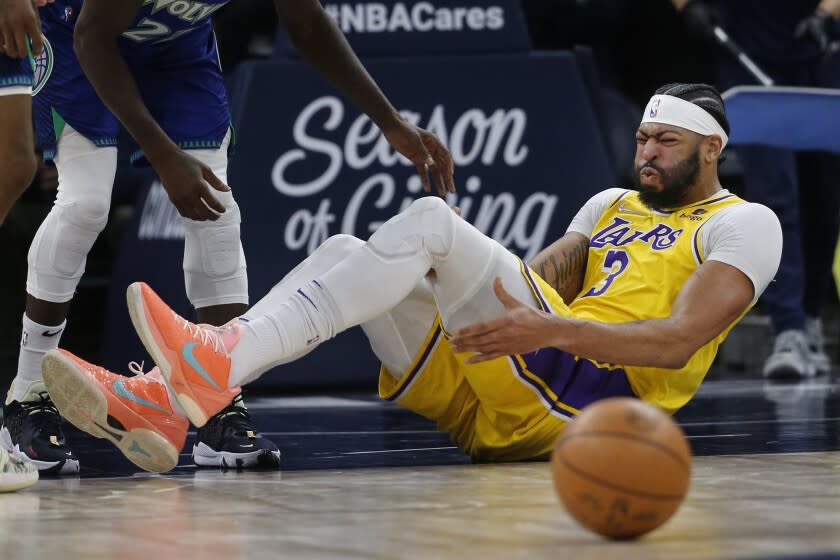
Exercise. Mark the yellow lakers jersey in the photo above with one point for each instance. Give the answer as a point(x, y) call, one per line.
point(639, 260)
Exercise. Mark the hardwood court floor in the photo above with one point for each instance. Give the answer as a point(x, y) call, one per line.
point(363, 479)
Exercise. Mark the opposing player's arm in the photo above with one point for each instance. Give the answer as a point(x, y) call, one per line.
point(96, 37)
point(322, 45)
point(563, 264)
point(319, 41)
point(96, 42)
point(714, 296)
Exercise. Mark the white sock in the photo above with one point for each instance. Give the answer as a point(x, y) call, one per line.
point(35, 341)
point(294, 325)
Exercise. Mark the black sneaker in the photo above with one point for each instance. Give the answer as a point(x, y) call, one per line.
point(229, 440)
point(32, 427)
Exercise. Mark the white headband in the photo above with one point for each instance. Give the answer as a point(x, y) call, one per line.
point(667, 109)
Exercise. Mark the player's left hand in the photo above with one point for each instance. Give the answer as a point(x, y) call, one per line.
point(426, 152)
point(520, 330)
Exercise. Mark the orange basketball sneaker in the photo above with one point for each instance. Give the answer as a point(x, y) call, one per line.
point(193, 359)
point(132, 412)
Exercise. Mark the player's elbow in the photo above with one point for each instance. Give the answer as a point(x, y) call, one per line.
point(676, 354)
point(674, 360)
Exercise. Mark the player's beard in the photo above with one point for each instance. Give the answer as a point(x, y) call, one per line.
point(676, 182)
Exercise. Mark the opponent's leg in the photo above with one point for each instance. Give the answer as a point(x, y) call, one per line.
point(56, 263)
point(217, 285)
point(215, 273)
point(17, 148)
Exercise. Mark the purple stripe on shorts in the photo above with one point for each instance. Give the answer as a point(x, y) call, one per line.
point(576, 383)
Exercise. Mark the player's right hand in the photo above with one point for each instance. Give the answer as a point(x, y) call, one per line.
point(188, 183)
point(18, 18)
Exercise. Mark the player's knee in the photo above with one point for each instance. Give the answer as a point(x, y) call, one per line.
point(215, 271)
point(59, 251)
point(432, 204)
point(88, 213)
point(426, 226)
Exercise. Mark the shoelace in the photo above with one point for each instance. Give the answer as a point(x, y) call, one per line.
point(49, 422)
point(236, 416)
point(206, 336)
point(136, 369)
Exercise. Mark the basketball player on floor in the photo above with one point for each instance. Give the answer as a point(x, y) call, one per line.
point(633, 301)
point(152, 65)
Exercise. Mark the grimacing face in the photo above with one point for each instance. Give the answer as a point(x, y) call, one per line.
point(667, 164)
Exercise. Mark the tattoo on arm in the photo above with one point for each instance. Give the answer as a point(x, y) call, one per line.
point(564, 271)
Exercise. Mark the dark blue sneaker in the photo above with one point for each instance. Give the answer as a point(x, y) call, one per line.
point(32, 427)
point(230, 440)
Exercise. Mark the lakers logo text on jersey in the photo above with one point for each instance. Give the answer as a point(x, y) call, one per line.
point(620, 233)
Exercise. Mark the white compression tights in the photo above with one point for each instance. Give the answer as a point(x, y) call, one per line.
point(214, 262)
point(382, 286)
point(59, 250)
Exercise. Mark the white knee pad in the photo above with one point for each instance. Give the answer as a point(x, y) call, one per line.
point(215, 272)
point(426, 226)
point(59, 251)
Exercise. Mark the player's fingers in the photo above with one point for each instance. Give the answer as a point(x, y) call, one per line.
point(445, 168)
point(441, 182)
point(507, 300)
point(184, 210)
point(423, 171)
point(10, 42)
point(211, 201)
point(214, 181)
point(34, 31)
point(20, 41)
point(202, 213)
point(471, 332)
point(450, 174)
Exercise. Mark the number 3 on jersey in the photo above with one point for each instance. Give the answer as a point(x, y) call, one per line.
point(615, 263)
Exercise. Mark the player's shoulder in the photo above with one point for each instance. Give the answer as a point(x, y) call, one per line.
point(747, 212)
point(751, 223)
point(608, 197)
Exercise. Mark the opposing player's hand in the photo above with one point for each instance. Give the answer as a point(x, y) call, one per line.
point(426, 152)
point(520, 330)
point(19, 18)
point(190, 185)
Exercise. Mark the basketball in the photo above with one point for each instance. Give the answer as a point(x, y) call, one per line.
point(621, 468)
